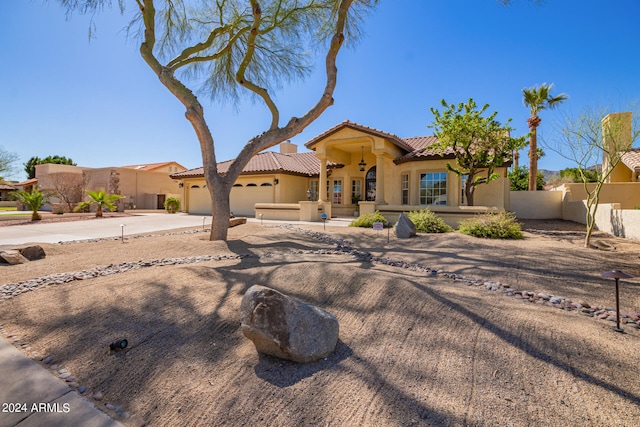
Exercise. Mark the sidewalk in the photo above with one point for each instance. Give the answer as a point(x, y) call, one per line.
point(32, 397)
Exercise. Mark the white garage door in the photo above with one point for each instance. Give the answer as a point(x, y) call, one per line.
point(199, 201)
point(244, 198)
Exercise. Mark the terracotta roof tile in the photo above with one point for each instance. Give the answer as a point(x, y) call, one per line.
point(306, 164)
point(632, 159)
point(151, 166)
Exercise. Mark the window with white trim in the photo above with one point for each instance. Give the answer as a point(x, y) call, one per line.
point(433, 188)
point(404, 178)
point(356, 190)
point(337, 192)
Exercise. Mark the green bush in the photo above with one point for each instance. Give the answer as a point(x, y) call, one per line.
point(172, 205)
point(367, 220)
point(428, 222)
point(501, 225)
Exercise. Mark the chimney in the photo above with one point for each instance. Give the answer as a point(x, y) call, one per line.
point(288, 148)
point(616, 135)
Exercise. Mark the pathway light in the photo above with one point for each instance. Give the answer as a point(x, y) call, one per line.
point(617, 274)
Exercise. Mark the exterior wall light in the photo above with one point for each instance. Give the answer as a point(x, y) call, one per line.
point(362, 164)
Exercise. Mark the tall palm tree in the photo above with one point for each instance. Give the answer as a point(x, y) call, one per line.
point(101, 199)
point(536, 99)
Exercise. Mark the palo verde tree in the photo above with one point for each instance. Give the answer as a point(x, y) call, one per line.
point(536, 99)
point(480, 144)
point(595, 136)
point(239, 47)
point(30, 166)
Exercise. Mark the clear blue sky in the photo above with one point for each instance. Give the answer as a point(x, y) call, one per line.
point(98, 103)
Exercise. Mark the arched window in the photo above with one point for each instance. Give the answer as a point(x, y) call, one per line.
point(237, 185)
point(195, 186)
point(251, 185)
point(370, 185)
point(265, 184)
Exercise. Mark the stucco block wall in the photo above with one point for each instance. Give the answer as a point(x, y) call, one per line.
point(625, 193)
point(619, 222)
point(536, 204)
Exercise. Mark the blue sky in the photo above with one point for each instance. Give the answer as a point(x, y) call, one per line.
point(98, 103)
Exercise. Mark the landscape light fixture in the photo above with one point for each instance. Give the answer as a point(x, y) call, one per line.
point(122, 231)
point(362, 164)
point(617, 274)
point(203, 220)
point(261, 219)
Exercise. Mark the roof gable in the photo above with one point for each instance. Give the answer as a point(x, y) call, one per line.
point(365, 129)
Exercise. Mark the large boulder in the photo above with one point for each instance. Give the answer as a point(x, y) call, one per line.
point(287, 328)
point(12, 257)
point(32, 253)
point(404, 227)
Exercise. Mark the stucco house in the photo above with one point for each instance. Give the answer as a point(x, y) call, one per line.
point(351, 168)
point(144, 186)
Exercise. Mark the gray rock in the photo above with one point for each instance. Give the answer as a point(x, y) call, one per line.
point(287, 328)
point(32, 253)
point(13, 257)
point(404, 227)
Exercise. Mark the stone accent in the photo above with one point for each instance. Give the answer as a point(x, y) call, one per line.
point(287, 328)
point(13, 257)
point(404, 227)
point(32, 253)
point(237, 221)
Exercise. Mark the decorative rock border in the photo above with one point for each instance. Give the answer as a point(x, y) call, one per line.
point(342, 247)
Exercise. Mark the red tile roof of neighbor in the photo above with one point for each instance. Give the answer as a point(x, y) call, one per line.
point(632, 159)
point(151, 166)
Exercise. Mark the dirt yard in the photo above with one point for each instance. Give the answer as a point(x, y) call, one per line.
point(416, 347)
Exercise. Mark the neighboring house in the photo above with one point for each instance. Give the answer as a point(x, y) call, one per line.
point(5, 191)
point(143, 186)
point(628, 169)
point(352, 168)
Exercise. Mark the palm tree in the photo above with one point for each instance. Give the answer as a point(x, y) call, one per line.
point(34, 200)
point(536, 99)
point(101, 199)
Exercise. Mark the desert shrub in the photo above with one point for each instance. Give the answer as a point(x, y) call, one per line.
point(367, 220)
point(428, 222)
point(501, 225)
point(172, 205)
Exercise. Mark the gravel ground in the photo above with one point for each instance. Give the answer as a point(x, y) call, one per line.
point(416, 347)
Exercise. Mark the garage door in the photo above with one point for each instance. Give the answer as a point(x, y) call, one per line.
point(244, 198)
point(199, 201)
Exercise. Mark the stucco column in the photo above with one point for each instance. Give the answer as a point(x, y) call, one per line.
point(322, 185)
point(380, 200)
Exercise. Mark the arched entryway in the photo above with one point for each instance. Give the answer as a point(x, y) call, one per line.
point(370, 185)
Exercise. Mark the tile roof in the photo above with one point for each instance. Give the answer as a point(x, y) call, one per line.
point(151, 166)
point(421, 151)
point(28, 182)
point(8, 187)
point(305, 164)
point(631, 159)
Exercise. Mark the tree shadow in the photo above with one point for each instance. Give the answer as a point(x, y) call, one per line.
point(285, 373)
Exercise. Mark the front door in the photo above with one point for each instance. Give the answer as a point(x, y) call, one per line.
point(370, 185)
point(161, 199)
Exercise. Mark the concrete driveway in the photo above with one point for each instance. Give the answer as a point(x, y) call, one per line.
point(92, 229)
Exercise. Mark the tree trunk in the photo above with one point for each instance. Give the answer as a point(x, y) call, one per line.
point(221, 208)
point(533, 159)
point(99, 212)
point(469, 190)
